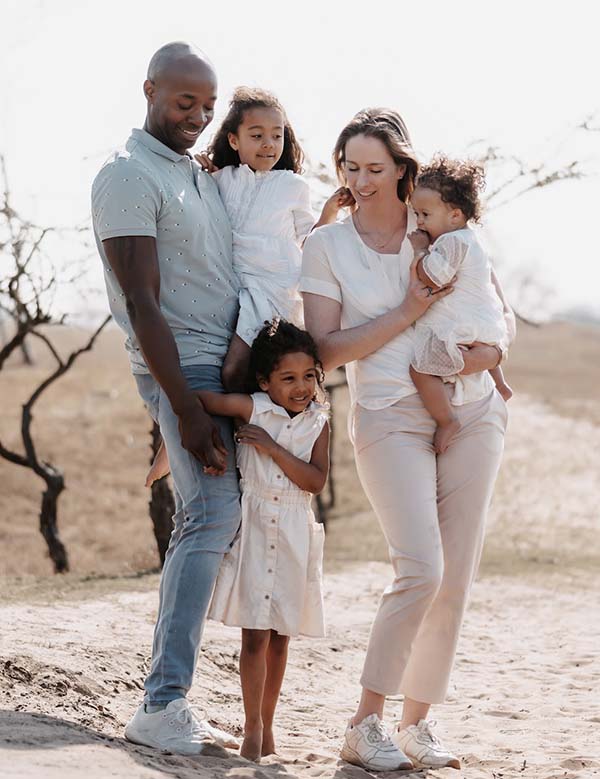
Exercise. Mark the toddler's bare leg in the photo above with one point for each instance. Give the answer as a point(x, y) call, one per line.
point(234, 372)
point(160, 465)
point(253, 674)
point(276, 663)
point(432, 392)
point(500, 382)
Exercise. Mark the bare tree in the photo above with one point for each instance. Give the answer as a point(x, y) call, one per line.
point(27, 290)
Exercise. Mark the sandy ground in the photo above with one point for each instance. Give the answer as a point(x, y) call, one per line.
point(523, 701)
point(74, 649)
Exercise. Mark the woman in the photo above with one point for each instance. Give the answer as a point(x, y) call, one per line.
point(361, 296)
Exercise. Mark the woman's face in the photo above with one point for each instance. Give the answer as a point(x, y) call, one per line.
point(371, 173)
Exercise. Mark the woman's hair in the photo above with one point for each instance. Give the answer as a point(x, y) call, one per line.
point(245, 99)
point(388, 126)
point(459, 183)
point(276, 339)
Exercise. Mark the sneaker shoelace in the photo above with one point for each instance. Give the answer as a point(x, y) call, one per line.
point(425, 730)
point(377, 733)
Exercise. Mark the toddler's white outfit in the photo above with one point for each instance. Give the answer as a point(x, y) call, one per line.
point(272, 577)
point(473, 312)
point(270, 217)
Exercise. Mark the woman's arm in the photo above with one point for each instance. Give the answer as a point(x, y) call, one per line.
point(227, 404)
point(336, 347)
point(308, 476)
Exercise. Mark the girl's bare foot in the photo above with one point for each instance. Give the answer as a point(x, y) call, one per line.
point(252, 744)
point(160, 467)
point(268, 742)
point(443, 435)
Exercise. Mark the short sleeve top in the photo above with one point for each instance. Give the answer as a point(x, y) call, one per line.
point(337, 264)
point(148, 189)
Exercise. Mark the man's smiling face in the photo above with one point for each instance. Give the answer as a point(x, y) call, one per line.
point(181, 103)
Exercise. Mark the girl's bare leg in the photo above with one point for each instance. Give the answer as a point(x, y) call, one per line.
point(413, 712)
point(277, 653)
point(253, 673)
point(234, 373)
point(432, 392)
point(160, 465)
point(370, 703)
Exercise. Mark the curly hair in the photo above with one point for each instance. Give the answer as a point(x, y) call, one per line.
point(245, 99)
point(276, 339)
point(459, 183)
point(388, 126)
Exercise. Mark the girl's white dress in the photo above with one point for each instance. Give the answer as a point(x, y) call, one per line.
point(272, 577)
point(270, 217)
point(473, 312)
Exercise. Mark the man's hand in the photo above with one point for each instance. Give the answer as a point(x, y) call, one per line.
point(200, 436)
point(255, 436)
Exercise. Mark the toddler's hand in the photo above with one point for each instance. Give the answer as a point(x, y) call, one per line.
point(205, 162)
point(419, 240)
point(341, 198)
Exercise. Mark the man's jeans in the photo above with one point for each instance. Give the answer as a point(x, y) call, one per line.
point(207, 517)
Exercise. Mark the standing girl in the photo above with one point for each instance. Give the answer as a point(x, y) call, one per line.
point(270, 582)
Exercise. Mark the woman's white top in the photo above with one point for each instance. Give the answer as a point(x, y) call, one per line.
point(337, 264)
point(272, 577)
point(473, 312)
point(270, 217)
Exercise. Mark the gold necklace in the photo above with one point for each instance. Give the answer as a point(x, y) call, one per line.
point(379, 245)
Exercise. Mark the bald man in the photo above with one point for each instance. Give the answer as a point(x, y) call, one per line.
point(165, 242)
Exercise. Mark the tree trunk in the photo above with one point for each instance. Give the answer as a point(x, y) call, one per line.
point(162, 504)
point(55, 484)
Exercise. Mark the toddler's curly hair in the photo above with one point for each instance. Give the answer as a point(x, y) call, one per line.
point(459, 183)
point(276, 339)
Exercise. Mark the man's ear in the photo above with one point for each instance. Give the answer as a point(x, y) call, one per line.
point(233, 141)
point(149, 90)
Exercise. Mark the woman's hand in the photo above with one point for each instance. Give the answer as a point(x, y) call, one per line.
point(419, 240)
point(255, 436)
point(420, 296)
point(479, 357)
point(205, 162)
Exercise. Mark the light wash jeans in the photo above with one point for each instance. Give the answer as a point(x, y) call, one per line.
point(207, 517)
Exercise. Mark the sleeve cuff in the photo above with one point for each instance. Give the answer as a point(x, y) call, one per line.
point(318, 287)
point(104, 235)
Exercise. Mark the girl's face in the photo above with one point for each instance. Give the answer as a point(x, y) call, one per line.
point(371, 173)
point(292, 383)
point(433, 215)
point(259, 138)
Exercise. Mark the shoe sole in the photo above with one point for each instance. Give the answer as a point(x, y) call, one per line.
point(209, 750)
point(351, 756)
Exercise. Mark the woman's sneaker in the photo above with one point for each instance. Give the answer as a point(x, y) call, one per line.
point(369, 745)
point(423, 747)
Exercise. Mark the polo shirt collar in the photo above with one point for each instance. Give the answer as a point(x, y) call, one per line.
point(152, 143)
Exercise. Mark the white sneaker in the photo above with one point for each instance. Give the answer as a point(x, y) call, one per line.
point(369, 745)
point(175, 730)
point(423, 747)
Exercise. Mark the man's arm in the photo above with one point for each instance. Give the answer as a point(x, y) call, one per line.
point(134, 262)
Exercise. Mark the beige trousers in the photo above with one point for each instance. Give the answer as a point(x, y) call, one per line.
point(432, 512)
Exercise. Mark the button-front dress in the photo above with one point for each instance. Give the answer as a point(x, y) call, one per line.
point(272, 577)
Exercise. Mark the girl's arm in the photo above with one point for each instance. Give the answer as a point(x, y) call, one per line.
point(336, 346)
point(310, 476)
point(227, 404)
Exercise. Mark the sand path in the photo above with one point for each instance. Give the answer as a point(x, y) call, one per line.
point(523, 703)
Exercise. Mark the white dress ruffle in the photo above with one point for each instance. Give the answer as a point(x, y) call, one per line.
point(270, 216)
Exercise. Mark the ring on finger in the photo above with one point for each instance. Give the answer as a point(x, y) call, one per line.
point(429, 291)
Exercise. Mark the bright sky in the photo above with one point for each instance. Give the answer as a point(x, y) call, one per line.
point(520, 75)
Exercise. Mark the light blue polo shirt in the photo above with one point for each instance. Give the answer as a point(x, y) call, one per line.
point(149, 189)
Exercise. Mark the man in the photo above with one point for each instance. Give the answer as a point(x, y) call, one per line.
point(165, 241)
